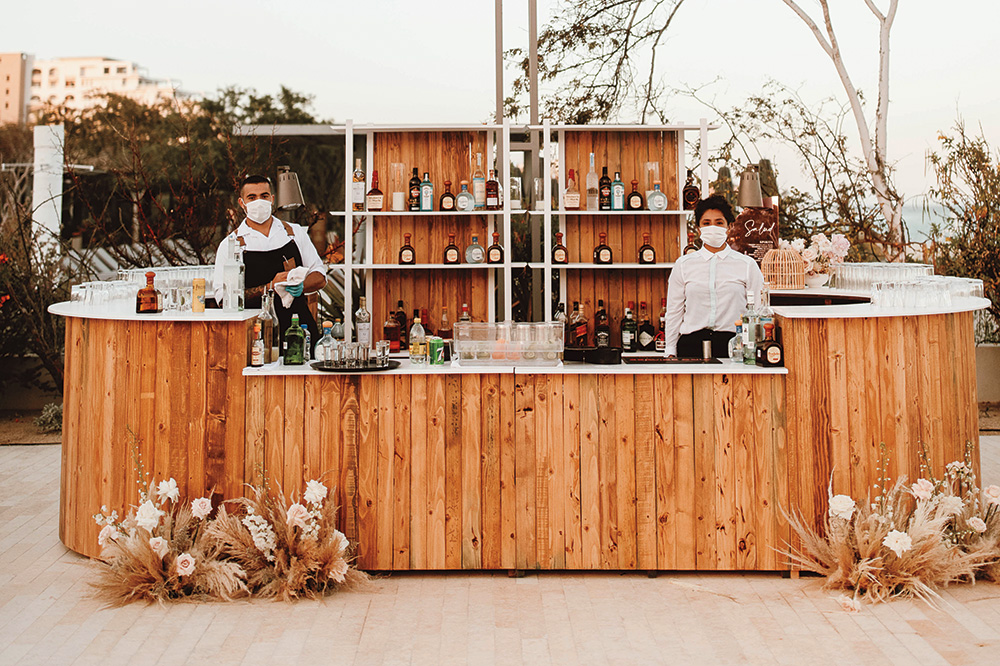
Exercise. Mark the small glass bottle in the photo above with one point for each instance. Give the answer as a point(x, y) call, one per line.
point(418, 343)
point(494, 255)
point(630, 330)
point(324, 346)
point(358, 187)
point(294, 343)
point(559, 253)
point(426, 193)
point(647, 255)
point(493, 192)
point(406, 253)
point(618, 192)
point(479, 183)
point(736, 344)
point(338, 330)
point(634, 200)
point(464, 200)
point(474, 254)
point(375, 201)
point(750, 320)
point(593, 187)
point(257, 349)
point(363, 324)
point(306, 344)
point(451, 253)
point(602, 326)
point(604, 191)
point(148, 299)
point(390, 332)
point(661, 333)
point(657, 199)
point(602, 253)
point(447, 201)
point(691, 193)
point(571, 197)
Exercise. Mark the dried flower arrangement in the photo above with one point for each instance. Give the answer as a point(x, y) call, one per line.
point(909, 541)
point(172, 550)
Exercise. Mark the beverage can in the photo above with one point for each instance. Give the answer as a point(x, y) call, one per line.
point(435, 351)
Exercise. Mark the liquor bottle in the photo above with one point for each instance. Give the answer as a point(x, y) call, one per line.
point(474, 254)
point(257, 350)
point(148, 300)
point(578, 324)
point(691, 192)
point(630, 330)
point(390, 332)
point(464, 199)
point(363, 324)
point(426, 193)
point(493, 192)
point(425, 321)
point(447, 201)
point(465, 313)
point(444, 326)
point(618, 192)
point(661, 334)
point(494, 254)
point(374, 201)
point(233, 276)
point(647, 334)
point(634, 200)
point(358, 187)
point(324, 346)
point(479, 183)
point(593, 190)
point(602, 253)
point(692, 245)
point(406, 253)
point(418, 343)
point(657, 199)
point(559, 253)
point(647, 255)
point(268, 323)
point(413, 202)
point(602, 326)
point(750, 320)
point(403, 325)
point(306, 344)
point(571, 197)
point(451, 253)
point(560, 315)
point(604, 191)
point(294, 343)
point(338, 330)
point(736, 344)
point(765, 311)
point(770, 353)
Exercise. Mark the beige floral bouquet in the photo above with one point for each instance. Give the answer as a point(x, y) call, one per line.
point(909, 541)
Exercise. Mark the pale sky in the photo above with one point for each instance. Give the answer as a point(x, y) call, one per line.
point(421, 62)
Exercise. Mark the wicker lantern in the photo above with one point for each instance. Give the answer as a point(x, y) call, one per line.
point(784, 269)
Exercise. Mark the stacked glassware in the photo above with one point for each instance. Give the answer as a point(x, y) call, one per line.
point(508, 343)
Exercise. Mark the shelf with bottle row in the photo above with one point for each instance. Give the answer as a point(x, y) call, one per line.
point(585, 265)
point(423, 267)
point(614, 213)
point(429, 213)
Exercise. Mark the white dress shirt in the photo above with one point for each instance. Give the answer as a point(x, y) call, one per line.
point(276, 238)
point(709, 290)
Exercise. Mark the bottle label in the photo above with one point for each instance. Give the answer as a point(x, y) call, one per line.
point(645, 339)
point(580, 333)
point(451, 256)
point(407, 256)
point(648, 255)
point(358, 192)
point(448, 203)
point(571, 200)
point(477, 255)
point(375, 202)
point(365, 334)
point(626, 338)
point(559, 256)
point(774, 355)
point(618, 197)
point(494, 256)
point(605, 256)
point(426, 197)
point(479, 191)
point(257, 356)
point(603, 338)
point(493, 201)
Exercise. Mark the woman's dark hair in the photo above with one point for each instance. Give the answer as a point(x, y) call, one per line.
point(714, 202)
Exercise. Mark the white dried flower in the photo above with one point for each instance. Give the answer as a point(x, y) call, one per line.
point(297, 515)
point(263, 536)
point(978, 524)
point(108, 532)
point(159, 546)
point(992, 494)
point(922, 489)
point(167, 490)
point(201, 507)
point(99, 518)
point(315, 492)
point(148, 516)
point(949, 505)
point(842, 506)
point(898, 542)
point(849, 604)
point(340, 540)
point(958, 468)
point(185, 564)
point(338, 572)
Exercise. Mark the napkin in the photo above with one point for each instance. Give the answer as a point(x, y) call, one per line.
point(295, 276)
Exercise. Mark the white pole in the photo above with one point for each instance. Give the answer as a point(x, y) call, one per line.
point(46, 202)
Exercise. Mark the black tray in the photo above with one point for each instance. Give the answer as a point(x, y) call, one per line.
point(320, 365)
point(664, 359)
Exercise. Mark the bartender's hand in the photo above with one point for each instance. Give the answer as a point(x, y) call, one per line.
point(280, 277)
point(295, 289)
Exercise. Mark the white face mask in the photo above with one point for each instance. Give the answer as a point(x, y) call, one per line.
point(259, 210)
point(713, 236)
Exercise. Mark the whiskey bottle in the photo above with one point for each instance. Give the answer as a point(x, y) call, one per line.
point(464, 199)
point(630, 330)
point(447, 201)
point(618, 192)
point(647, 255)
point(390, 332)
point(413, 202)
point(403, 324)
point(657, 199)
point(257, 350)
point(363, 324)
point(406, 253)
point(770, 353)
point(493, 192)
point(604, 191)
point(602, 253)
point(474, 254)
point(148, 300)
point(374, 201)
point(451, 253)
point(634, 200)
point(602, 326)
point(559, 254)
point(661, 333)
point(579, 334)
point(593, 188)
point(571, 197)
point(294, 343)
point(647, 334)
point(494, 254)
point(425, 321)
point(358, 187)
point(426, 193)
point(479, 183)
point(691, 193)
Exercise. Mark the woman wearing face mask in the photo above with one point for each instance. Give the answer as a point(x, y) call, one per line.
point(271, 248)
point(707, 289)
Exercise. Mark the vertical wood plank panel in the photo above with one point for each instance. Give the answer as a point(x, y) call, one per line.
point(419, 481)
point(453, 472)
point(624, 404)
point(473, 397)
point(436, 471)
point(401, 474)
point(385, 394)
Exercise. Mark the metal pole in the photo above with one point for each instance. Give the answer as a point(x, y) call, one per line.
point(499, 60)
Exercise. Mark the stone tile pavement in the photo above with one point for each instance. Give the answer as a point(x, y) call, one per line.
point(48, 617)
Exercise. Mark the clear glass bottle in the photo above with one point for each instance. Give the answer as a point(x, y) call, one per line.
point(464, 316)
point(374, 200)
point(764, 310)
point(571, 197)
point(479, 183)
point(634, 201)
point(418, 343)
point(630, 330)
point(257, 349)
point(413, 198)
point(750, 319)
point(559, 253)
point(306, 344)
point(358, 187)
point(426, 193)
point(736, 344)
point(294, 343)
point(444, 325)
point(233, 276)
point(451, 253)
point(618, 192)
point(593, 187)
point(266, 325)
point(324, 346)
point(275, 329)
point(494, 254)
point(363, 324)
point(464, 200)
point(657, 199)
point(474, 254)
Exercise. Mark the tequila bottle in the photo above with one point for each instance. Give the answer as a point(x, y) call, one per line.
point(451, 253)
point(657, 199)
point(464, 199)
point(647, 255)
point(602, 253)
point(559, 254)
point(406, 253)
point(494, 255)
point(324, 346)
point(447, 201)
point(474, 254)
point(634, 200)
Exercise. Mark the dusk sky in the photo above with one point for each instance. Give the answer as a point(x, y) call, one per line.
point(420, 62)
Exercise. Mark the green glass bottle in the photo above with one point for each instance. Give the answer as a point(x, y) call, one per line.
point(295, 343)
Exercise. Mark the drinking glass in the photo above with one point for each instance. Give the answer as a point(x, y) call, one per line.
point(382, 353)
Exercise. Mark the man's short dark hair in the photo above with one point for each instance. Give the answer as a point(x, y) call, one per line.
point(253, 179)
point(714, 202)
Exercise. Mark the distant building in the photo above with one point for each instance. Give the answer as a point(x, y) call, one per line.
point(14, 89)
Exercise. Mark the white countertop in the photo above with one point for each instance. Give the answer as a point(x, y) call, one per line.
point(727, 367)
point(126, 312)
point(856, 310)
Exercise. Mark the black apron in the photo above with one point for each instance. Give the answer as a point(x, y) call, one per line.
point(260, 268)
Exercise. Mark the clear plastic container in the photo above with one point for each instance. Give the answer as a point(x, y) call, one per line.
point(508, 343)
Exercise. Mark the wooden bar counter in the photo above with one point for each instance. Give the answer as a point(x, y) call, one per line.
point(576, 467)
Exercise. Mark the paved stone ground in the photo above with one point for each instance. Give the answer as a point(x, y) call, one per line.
point(48, 617)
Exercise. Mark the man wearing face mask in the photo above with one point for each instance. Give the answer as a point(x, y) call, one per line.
point(271, 248)
point(707, 289)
